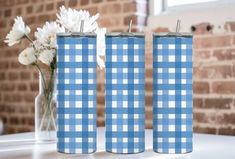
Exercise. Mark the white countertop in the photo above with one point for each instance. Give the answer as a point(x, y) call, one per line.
point(205, 147)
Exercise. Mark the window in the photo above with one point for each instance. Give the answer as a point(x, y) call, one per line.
point(172, 3)
point(160, 6)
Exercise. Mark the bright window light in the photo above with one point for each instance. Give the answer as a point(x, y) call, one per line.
point(172, 3)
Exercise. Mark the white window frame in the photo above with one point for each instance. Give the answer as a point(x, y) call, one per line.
point(216, 13)
point(158, 7)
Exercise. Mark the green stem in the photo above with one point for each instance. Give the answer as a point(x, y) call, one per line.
point(27, 37)
point(50, 89)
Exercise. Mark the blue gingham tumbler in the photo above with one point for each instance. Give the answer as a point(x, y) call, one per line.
point(125, 93)
point(76, 86)
point(172, 93)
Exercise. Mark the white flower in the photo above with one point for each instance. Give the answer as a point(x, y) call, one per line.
point(19, 30)
point(47, 56)
point(71, 20)
point(27, 56)
point(47, 34)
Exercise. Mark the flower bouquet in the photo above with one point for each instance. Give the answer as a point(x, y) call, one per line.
point(41, 53)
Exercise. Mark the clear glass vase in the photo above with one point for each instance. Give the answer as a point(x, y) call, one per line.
point(45, 109)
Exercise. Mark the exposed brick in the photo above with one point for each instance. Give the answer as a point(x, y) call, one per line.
point(161, 29)
point(15, 65)
point(218, 103)
point(9, 3)
point(201, 55)
point(227, 87)
point(213, 72)
point(100, 111)
point(149, 73)
point(230, 26)
point(29, 97)
point(30, 20)
point(22, 87)
point(3, 23)
point(148, 86)
point(115, 21)
point(100, 99)
point(84, 2)
point(213, 41)
point(73, 3)
point(2, 76)
point(198, 103)
point(130, 7)
point(226, 131)
point(34, 86)
point(25, 75)
point(100, 122)
point(100, 87)
point(200, 117)
point(14, 120)
point(12, 76)
point(7, 13)
point(43, 18)
point(7, 87)
point(148, 100)
point(97, 1)
point(233, 39)
point(226, 54)
point(200, 87)
point(12, 97)
point(4, 65)
point(18, 11)
point(39, 8)
point(207, 130)
point(92, 10)
point(50, 6)
point(228, 118)
point(22, 1)
point(111, 8)
point(29, 9)
point(149, 114)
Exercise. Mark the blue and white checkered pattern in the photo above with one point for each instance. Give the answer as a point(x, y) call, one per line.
point(76, 85)
point(125, 94)
point(172, 94)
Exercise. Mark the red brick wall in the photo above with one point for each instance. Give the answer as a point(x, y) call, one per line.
point(214, 84)
point(18, 83)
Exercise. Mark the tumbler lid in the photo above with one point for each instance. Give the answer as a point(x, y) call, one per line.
point(129, 33)
point(121, 34)
point(173, 34)
point(76, 34)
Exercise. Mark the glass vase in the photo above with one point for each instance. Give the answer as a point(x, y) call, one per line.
point(45, 109)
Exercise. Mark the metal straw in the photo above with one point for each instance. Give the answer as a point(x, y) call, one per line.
point(82, 26)
point(129, 28)
point(178, 26)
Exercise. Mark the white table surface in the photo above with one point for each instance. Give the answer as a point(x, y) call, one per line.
point(205, 147)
